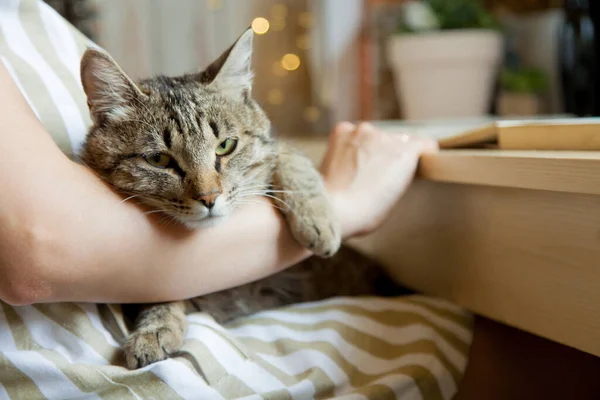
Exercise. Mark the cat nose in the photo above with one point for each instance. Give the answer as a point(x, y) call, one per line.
point(208, 199)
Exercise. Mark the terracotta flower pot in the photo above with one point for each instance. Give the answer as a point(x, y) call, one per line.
point(445, 74)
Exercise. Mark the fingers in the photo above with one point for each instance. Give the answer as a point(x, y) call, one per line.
point(367, 137)
point(346, 130)
point(364, 129)
point(420, 144)
point(430, 146)
point(338, 139)
point(342, 131)
point(366, 134)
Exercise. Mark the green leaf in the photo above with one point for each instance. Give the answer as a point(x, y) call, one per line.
point(524, 80)
point(462, 14)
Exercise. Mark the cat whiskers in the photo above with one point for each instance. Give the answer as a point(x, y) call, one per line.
point(256, 202)
point(129, 198)
point(265, 194)
point(168, 219)
point(144, 197)
point(266, 188)
point(263, 186)
point(156, 211)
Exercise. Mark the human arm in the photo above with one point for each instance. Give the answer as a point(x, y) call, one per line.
point(66, 236)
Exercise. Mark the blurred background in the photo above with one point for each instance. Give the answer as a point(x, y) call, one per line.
point(320, 61)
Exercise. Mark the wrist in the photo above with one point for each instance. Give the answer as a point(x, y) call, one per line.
point(353, 222)
point(343, 211)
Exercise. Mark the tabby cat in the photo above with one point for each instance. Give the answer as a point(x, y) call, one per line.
point(195, 147)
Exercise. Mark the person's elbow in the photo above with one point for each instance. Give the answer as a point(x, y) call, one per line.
point(28, 262)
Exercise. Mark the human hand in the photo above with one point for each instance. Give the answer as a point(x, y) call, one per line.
point(366, 172)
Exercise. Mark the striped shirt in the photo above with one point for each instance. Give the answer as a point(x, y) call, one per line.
point(412, 347)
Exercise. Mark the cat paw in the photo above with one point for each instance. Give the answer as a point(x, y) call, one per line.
point(149, 346)
point(319, 234)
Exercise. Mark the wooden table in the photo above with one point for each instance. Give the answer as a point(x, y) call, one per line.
point(513, 236)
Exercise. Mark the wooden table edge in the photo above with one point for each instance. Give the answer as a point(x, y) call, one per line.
point(572, 172)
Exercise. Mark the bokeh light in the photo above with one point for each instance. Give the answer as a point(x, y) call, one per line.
point(214, 4)
point(260, 25)
point(303, 41)
point(278, 24)
point(305, 19)
point(290, 62)
point(312, 114)
point(275, 97)
point(279, 11)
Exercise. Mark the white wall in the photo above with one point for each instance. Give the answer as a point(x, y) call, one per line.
point(148, 37)
point(335, 62)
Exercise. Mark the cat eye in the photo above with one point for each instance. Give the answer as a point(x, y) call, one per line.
point(226, 147)
point(159, 160)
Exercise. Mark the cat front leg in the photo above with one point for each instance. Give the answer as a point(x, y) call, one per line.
point(304, 202)
point(159, 332)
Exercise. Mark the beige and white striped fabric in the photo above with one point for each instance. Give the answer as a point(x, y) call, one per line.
point(412, 347)
point(345, 348)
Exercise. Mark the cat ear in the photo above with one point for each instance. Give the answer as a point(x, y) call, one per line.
point(231, 73)
point(110, 92)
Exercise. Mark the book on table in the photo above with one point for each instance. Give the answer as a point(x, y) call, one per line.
point(511, 134)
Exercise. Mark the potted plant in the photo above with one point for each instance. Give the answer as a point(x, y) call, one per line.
point(445, 57)
point(520, 90)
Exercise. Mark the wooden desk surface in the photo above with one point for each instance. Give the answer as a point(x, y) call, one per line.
point(574, 172)
point(513, 236)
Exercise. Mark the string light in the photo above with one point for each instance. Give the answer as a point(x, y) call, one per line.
point(305, 19)
point(303, 42)
point(214, 4)
point(290, 62)
point(279, 11)
point(260, 25)
point(312, 114)
point(278, 24)
point(275, 97)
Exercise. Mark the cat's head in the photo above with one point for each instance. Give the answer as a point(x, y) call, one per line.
point(192, 146)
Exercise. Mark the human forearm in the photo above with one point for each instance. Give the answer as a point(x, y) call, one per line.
point(127, 256)
point(90, 247)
